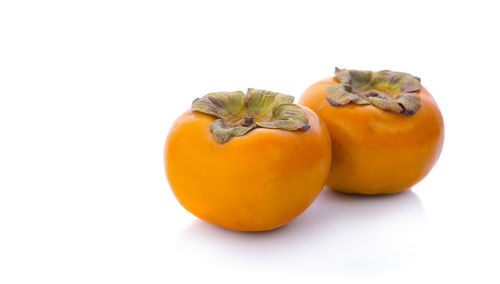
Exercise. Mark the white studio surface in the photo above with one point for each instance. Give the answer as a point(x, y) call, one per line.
point(89, 89)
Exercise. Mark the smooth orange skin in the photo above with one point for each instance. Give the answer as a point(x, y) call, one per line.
point(255, 182)
point(376, 151)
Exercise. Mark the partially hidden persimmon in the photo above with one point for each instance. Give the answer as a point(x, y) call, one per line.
point(386, 129)
point(247, 162)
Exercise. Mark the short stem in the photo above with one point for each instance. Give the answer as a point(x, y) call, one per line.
point(247, 121)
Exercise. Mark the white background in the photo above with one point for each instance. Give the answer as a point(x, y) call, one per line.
point(89, 89)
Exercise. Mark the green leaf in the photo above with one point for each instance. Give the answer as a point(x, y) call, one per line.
point(261, 103)
point(223, 133)
point(387, 90)
point(221, 104)
point(238, 113)
point(287, 117)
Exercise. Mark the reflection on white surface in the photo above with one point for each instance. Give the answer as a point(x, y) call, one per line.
point(339, 233)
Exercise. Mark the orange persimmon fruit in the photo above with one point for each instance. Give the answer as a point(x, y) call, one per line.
point(386, 130)
point(247, 162)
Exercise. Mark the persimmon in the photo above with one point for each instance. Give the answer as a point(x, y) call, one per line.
point(247, 162)
point(386, 129)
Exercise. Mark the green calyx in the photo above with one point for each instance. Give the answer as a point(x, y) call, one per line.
point(238, 113)
point(387, 90)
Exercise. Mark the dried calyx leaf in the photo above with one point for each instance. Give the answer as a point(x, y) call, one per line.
point(239, 113)
point(387, 90)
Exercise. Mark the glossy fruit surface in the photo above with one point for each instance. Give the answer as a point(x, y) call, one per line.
point(254, 182)
point(376, 151)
